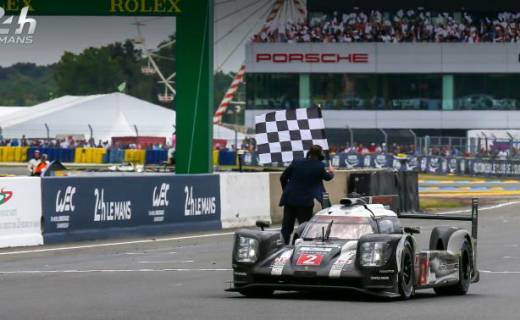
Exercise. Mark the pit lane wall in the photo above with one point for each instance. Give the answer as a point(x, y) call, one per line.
point(20, 212)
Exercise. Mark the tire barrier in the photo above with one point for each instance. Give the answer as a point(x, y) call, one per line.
point(20, 212)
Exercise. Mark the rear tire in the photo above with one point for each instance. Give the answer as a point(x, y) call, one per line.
point(257, 293)
point(461, 287)
point(407, 274)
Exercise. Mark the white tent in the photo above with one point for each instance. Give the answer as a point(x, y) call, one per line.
point(4, 111)
point(108, 115)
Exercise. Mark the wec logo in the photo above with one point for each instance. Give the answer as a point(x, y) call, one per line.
point(5, 196)
point(160, 195)
point(65, 203)
point(14, 33)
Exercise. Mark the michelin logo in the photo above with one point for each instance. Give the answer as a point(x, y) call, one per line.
point(198, 206)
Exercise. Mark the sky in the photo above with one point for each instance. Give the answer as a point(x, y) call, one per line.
point(235, 20)
point(55, 35)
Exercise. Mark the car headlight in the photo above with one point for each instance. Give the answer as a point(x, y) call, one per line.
point(247, 250)
point(374, 254)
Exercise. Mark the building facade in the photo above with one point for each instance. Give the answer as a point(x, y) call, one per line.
point(433, 88)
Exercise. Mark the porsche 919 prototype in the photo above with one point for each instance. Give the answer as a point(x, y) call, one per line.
point(357, 245)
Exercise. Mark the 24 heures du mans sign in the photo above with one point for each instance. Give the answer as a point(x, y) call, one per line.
point(94, 7)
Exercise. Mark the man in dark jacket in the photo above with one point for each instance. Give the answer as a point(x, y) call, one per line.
point(302, 182)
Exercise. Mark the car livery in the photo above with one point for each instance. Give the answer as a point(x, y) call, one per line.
point(361, 246)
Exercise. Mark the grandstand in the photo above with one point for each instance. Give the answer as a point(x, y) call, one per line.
point(440, 68)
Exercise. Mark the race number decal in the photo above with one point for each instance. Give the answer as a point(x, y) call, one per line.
point(309, 260)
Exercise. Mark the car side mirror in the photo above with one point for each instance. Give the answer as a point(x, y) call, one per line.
point(263, 224)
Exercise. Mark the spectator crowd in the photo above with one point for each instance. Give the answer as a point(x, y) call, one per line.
point(401, 26)
point(496, 150)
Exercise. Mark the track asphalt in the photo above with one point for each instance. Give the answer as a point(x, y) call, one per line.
point(184, 277)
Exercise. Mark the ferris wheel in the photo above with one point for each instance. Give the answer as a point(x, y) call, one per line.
point(152, 68)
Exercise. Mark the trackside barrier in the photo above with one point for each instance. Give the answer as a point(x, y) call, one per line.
point(114, 156)
point(89, 155)
point(91, 208)
point(20, 212)
point(227, 158)
point(55, 154)
point(156, 156)
point(245, 199)
point(135, 156)
point(13, 154)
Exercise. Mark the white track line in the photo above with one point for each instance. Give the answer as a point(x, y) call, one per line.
point(113, 244)
point(114, 271)
point(500, 272)
point(500, 205)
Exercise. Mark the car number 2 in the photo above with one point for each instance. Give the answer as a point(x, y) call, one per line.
point(309, 260)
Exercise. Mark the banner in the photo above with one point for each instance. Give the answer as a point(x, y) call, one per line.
point(81, 208)
point(378, 161)
point(382, 57)
point(20, 212)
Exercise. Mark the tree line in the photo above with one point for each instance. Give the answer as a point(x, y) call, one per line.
point(96, 70)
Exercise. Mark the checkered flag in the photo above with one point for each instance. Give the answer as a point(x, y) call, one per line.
point(284, 136)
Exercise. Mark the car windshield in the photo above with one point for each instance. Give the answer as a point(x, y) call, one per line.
point(340, 229)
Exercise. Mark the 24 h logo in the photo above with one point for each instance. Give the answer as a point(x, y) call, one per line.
point(20, 32)
point(5, 196)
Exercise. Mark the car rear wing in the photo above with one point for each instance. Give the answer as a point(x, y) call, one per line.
point(473, 218)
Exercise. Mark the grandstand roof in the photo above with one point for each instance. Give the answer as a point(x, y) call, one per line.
point(109, 115)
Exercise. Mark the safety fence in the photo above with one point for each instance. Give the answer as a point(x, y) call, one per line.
point(36, 211)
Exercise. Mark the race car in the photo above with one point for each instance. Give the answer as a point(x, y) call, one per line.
point(357, 245)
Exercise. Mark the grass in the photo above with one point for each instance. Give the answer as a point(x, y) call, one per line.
point(425, 176)
point(435, 204)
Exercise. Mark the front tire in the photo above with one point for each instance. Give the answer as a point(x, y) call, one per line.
point(407, 274)
point(461, 287)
